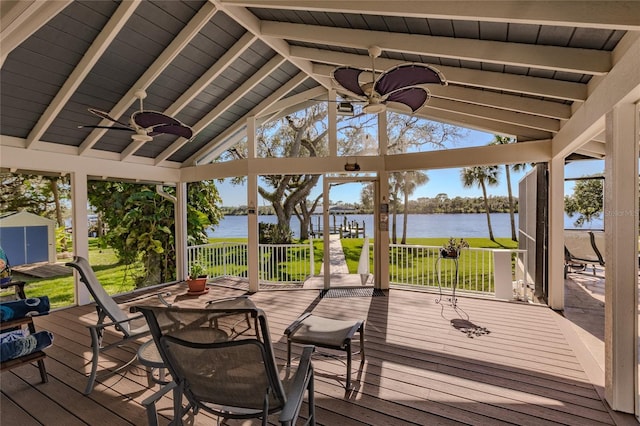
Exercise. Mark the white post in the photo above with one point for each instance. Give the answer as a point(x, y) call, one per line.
point(311, 260)
point(621, 257)
point(556, 233)
point(80, 230)
point(180, 236)
point(502, 274)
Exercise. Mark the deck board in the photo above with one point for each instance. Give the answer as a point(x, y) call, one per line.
point(419, 369)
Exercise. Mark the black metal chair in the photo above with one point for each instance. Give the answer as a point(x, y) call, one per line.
point(235, 379)
point(127, 327)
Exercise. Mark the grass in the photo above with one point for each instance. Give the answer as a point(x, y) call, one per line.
point(120, 278)
point(115, 277)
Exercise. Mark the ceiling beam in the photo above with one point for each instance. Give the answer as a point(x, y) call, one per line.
point(483, 124)
point(163, 60)
point(515, 153)
point(82, 69)
point(51, 159)
point(252, 24)
point(211, 150)
point(226, 103)
point(510, 117)
point(519, 84)
point(204, 81)
point(21, 19)
point(622, 84)
point(316, 92)
point(571, 60)
point(614, 15)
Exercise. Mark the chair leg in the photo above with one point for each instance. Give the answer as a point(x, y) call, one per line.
point(361, 343)
point(349, 355)
point(95, 346)
point(288, 352)
point(43, 371)
point(311, 400)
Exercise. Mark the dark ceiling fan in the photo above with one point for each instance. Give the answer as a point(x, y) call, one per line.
point(144, 123)
point(402, 84)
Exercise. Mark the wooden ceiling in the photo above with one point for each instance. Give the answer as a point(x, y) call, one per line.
point(536, 70)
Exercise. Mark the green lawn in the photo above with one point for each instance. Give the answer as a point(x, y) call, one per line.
point(119, 278)
point(115, 277)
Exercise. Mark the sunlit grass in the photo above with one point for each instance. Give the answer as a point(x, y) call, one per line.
point(115, 277)
point(120, 278)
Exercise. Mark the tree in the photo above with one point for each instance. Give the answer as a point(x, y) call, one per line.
point(141, 223)
point(502, 140)
point(481, 176)
point(41, 195)
point(586, 200)
point(410, 133)
point(411, 180)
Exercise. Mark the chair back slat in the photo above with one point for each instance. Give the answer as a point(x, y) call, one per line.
point(217, 374)
point(99, 294)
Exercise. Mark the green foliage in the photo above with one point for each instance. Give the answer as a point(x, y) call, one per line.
point(63, 239)
point(273, 233)
point(141, 223)
point(586, 201)
point(197, 270)
point(39, 195)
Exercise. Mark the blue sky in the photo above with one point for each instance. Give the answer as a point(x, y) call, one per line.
point(440, 181)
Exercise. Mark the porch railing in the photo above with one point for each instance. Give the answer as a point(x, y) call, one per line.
point(482, 271)
point(477, 271)
point(283, 263)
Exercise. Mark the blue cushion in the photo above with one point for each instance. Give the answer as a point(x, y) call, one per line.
point(16, 309)
point(24, 346)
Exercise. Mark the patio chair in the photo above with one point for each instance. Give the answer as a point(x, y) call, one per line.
point(128, 327)
point(232, 379)
point(580, 250)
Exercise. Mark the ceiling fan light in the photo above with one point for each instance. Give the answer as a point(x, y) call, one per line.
point(137, 137)
point(374, 108)
point(345, 108)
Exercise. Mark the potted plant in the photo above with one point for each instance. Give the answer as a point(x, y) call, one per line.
point(197, 281)
point(451, 250)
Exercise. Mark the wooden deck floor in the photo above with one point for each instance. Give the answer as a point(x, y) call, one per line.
point(518, 368)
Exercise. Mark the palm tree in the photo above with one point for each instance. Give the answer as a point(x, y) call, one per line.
point(481, 176)
point(411, 180)
point(501, 140)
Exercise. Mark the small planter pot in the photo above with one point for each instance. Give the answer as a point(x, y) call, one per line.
point(197, 285)
point(449, 254)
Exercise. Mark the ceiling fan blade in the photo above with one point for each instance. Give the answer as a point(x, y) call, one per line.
point(146, 119)
point(413, 97)
point(105, 127)
point(106, 116)
point(407, 75)
point(173, 129)
point(347, 77)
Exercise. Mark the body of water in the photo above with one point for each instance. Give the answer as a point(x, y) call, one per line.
point(418, 225)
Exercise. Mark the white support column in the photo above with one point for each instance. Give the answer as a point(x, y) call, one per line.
point(333, 124)
point(80, 230)
point(253, 263)
point(556, 233)
point(381, 258)
point(326, 235)
point(180, 215)
point(621, 256)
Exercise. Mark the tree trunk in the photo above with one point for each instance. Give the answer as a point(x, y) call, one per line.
point(486, 209)
point(512, 216)
point(56, 199)
point(405, 218)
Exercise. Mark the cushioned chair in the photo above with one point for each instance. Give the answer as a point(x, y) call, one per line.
point(127, 327)
point(20, 343)
point(233, 379)
point(581, 250)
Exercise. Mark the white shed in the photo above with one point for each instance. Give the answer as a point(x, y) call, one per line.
point(27, 238)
